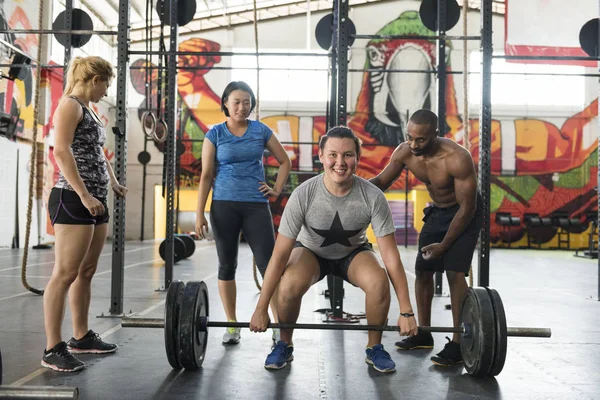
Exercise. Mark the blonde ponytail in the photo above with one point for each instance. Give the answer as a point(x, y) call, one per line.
point(83, 69)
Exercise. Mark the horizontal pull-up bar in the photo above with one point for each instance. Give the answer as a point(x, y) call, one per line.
point(59, 31)
point(416, 37)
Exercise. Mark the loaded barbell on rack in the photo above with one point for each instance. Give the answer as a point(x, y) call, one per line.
point(483, 328)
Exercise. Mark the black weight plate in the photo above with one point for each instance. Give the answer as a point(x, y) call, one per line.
point(80, 20)
point(178, 248)
point(588, 37)
point(477, 348)
point(501, 333)
point(192, 342)
point(172, 310)
point(144, 157)
point(324, 31)
point(428, 14)
point(186, 9)
point(190, 244)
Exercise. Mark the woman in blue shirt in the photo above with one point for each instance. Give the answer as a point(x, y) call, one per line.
point(232, 157)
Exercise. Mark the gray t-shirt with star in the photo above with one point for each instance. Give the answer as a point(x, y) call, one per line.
point(330, 226)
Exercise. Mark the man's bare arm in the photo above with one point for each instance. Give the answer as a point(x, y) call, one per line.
point(392, 170)
point(461, 168)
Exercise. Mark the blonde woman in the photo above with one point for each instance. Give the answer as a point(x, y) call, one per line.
point(79, 213)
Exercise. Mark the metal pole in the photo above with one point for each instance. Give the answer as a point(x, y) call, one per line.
point(485, 134)
point(441, 96)
point(68, 25)
point(170, 159)
point(227, 53)
point(118, 255)
point(339, 86)
point(144, 176)
point(202, 324)
point(597, 189)
point(406, 206)
point(38, 392)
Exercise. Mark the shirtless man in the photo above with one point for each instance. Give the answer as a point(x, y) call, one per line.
point(452, 224)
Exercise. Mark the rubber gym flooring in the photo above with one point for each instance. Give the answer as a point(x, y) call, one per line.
point(539, 288)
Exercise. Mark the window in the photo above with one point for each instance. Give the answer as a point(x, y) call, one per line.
point(513, 87)
point(284, 78)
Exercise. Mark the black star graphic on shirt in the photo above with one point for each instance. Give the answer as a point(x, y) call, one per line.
point(336, 234)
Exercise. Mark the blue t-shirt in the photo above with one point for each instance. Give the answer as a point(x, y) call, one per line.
point(239, 162)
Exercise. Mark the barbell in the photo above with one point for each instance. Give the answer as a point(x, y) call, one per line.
point(483, 328)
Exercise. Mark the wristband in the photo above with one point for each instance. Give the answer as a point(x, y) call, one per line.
point(407, 315)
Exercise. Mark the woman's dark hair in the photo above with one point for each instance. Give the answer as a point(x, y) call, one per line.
point(236, 85)
point(340, 132)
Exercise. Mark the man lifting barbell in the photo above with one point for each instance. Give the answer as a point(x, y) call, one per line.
point(452, 224)
point(322, 231)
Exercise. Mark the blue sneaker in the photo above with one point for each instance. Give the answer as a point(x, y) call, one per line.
point(280, 356)
point(380, 359)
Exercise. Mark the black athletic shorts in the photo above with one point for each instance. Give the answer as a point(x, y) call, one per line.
point(65, 207)
point(340, 266)
point(460, 255)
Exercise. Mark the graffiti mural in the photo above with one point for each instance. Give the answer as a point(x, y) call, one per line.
point(554, 166)
point(16, 97)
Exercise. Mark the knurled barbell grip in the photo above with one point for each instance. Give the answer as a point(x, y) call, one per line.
point(332, 327)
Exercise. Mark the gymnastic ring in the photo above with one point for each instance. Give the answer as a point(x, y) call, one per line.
point(165, 130)
point(149, 132)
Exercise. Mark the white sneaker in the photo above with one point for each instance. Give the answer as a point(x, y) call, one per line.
point(231, 335)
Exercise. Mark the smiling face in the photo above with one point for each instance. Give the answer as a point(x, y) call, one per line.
point(339, 159)
point(421, 138)
point(239, 104)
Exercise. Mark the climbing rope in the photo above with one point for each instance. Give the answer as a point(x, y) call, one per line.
point(34, 149)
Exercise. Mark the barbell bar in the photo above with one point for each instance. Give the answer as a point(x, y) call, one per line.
point(483, 328)
point(38, 392)
point(59, 31)
point(133, 322)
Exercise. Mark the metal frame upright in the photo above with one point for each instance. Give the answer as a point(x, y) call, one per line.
point(598, 184)
point(485, 141)
point(338, 112)
point(120, 167)
point(169, 154)
point(441, 96)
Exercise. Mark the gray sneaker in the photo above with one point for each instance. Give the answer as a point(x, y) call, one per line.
point(231, 336)
point(60, 359)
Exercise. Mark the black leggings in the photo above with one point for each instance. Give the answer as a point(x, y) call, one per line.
point(254, 220)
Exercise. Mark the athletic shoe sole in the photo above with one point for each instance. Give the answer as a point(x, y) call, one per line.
point(55, 368)
point(383, 371)
point(73, 350)
point(446, 364)
point(275, 366)
point(415, 348)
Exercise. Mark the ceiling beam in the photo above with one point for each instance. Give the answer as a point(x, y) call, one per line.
point(209, 20)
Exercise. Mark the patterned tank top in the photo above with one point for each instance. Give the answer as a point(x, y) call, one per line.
point(87, 148)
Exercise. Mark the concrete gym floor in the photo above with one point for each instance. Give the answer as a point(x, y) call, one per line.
point(539, 288)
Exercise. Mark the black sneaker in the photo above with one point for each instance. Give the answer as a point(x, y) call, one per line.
point(419, 341)
point(449, 356)
point(90, 344)
point(59, 359)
